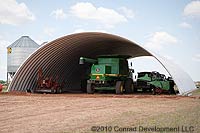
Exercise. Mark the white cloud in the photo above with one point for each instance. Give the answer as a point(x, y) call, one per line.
point(3, 71)
point(3, 45)
point(168, 57)
point(59, 14)
point(82, 30)
point(127, 12)
point(158, 40)
point(196, 57)
point(192, 9)
point(185, 25)
point(3, 57)
point(88, 11)
point(79, 30)
point(14, 13)
point(41, 42)
point(49, 31)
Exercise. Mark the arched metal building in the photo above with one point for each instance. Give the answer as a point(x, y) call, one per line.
point(61, 58)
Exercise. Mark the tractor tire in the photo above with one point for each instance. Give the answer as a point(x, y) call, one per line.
point(153, 90)
point(129, 86)
point(59, 90)
point(28, 91)
point(90, 88)
point(119, 87)
point(32, 91)
point(53, 91)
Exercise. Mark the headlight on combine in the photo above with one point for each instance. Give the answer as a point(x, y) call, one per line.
point(97, 77)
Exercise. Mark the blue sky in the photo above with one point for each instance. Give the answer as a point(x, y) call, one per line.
point(170, 28)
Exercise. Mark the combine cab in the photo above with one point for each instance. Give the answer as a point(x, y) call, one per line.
point(109, 73)
point(155, 82)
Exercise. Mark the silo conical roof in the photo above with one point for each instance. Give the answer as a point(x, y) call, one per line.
point(24, 42)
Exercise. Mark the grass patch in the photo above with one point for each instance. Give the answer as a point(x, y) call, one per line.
point(196, 92)
point(179, 120)
point(182, 118)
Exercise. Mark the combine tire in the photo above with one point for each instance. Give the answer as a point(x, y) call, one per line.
point(90, 88)
point(157, 90)
point(129, 86)
point(119, 87)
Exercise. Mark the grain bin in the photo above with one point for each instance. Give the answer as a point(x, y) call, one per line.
point(17, 52)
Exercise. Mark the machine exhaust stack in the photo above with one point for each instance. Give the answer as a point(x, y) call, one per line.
point(83, 60)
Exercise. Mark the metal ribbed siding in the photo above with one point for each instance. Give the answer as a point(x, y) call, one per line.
point(20, 50)
point(61, 57)
point(17, 57)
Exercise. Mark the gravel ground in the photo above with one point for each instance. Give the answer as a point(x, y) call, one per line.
point(80, 112)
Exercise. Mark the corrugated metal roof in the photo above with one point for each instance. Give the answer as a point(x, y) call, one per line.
point(24, 42)
point(61, 58)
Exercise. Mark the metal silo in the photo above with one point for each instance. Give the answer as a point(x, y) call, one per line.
point(17, 52)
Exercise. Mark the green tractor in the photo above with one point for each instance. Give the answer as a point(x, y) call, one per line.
point(155, 82)
point(109, 73)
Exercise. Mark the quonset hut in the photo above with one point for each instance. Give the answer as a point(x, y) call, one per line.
point(61, 57)
point(17, 52)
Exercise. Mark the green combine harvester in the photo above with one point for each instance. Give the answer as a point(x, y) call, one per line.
point(109, 73)
point(154, 82)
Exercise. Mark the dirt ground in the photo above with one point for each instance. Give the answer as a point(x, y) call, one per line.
point(85, 113)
